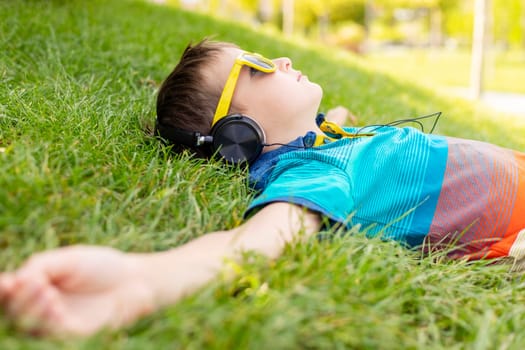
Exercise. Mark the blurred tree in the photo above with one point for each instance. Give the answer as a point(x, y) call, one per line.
point(308, 12)
point(248, 6)
point(479, 41)
point(430, 12)
point(265, 10)
point(344, 10)
point(322, 14)
point(441, 21)
point(509, 22)
point(288, 16)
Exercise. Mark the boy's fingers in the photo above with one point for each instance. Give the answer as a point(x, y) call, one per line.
point(35, 306)
point(54, 265)
point(25, 292)
point(44, 313)
point(6, 286)
point(43, 262)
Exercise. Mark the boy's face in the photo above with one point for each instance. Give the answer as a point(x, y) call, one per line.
point(284, 102)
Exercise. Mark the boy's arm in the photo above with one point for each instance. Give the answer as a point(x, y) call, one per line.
point(79, 290)
point(199, 261)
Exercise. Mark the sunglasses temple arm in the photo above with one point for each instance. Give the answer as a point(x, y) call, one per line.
point(227, 93)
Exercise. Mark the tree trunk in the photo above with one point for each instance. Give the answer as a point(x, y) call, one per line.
point(522, 22)
point(324, 23)
point(265, 10)
point(288, 16)
point(478, 47)
point(436, 30)
point(368, 25)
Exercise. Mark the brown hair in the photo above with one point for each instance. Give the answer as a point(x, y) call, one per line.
point(187, 99)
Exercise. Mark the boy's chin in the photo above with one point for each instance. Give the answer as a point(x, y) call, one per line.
point(319, 91)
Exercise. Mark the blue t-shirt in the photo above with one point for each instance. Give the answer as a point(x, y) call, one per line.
point(405, 185)
point(388, 183)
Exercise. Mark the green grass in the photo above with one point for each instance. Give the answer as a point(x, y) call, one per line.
point(77, 88)
point(445, 69)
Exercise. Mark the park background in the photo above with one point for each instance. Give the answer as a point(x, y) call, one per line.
point(469, 48)
point(78, 81)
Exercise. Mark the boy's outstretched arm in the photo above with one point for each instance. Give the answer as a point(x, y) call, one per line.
point(79, 290)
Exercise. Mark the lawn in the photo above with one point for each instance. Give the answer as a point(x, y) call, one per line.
point(78, 84)
point(450, 69)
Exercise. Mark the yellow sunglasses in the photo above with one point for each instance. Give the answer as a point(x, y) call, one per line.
point(249, 59)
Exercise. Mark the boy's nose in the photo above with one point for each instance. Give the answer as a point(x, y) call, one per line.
point(283, 63)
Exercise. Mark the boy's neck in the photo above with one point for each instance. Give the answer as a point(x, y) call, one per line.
point(286, 139)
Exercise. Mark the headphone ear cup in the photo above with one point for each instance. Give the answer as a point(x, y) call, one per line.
point(237, 139)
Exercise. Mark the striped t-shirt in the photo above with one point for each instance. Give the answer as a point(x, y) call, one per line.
point(407, 186)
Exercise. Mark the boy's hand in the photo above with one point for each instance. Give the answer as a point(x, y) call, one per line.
point(341, 115)
point(76, 291)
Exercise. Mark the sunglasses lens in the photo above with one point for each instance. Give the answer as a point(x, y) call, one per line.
point(258, 61)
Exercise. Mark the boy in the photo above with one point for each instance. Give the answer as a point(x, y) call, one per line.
point(221, 101)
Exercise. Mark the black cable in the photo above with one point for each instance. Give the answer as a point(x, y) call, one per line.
point(398, 122)
point(416, 120)
point(281, 144)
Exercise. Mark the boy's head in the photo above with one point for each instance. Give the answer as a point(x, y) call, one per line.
point(280, 100)
point(188, 96)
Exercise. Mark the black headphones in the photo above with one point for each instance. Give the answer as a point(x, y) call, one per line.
point(236, 138)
